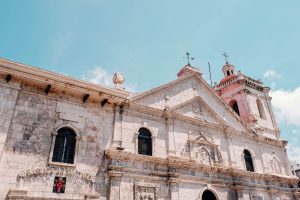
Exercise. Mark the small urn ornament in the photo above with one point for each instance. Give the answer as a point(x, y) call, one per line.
point(118, 80)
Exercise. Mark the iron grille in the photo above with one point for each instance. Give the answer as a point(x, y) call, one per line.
point(144, 142)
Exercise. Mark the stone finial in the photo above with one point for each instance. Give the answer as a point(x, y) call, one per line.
point(118, 80)
point(188, 70)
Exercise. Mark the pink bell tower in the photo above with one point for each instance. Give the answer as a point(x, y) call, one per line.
point(249, 99)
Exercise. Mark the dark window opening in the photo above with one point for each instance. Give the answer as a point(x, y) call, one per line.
point(261, 110)
point(208, 195)
point(235, 106)
point(144, 142)
point(228, 73)
point(248, 161)
point(64, 146)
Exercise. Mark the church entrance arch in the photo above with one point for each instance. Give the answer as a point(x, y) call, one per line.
point(208, 195)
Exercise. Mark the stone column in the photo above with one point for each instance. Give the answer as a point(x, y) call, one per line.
point(231, 156)
point(263, 161)
point(288, 168)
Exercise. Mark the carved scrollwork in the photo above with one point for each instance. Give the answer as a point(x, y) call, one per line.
point(203, 150)
point(46, 170)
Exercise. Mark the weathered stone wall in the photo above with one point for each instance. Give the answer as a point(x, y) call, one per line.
point(207, 148)
point(29, 138)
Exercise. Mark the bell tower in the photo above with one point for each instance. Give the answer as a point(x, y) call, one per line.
point(249, 99)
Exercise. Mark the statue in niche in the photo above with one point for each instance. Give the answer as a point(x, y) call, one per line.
point(275, 165)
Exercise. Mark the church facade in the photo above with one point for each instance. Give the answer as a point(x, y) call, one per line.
point(62, 138)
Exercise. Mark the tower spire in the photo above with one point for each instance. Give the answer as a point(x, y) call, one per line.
point(228, 69)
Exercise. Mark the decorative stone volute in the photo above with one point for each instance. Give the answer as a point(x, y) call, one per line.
point(188, 70)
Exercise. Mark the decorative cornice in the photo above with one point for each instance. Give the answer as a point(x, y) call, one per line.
point(26, 72)
point(177, 162)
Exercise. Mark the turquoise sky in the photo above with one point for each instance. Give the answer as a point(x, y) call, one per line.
point(146, 40)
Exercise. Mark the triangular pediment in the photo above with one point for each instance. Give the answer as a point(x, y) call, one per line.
point(181, 94)
point(201, 139)
point(197, 108)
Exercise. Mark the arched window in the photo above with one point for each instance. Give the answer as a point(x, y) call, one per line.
point(260, 108)
point(228, 73)
point(208, 195)
point(248, 161)
point(144, 142)
point(64, 146)
point(234, 106)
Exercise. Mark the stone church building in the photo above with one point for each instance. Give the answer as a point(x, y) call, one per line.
point(63, 138)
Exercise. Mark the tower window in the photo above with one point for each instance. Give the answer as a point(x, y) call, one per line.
point(144, 142)
point(228, 73)
point(248, 161)
point(64, 146)
point(261, 110)
point(234, 106)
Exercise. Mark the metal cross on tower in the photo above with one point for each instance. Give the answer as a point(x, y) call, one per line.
point(226, 57)
point(188, 58)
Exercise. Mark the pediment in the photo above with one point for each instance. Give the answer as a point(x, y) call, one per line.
point(197, 108)
point(180, 94)
point(201, 139)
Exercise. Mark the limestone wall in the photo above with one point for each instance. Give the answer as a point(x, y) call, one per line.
point(29, 138)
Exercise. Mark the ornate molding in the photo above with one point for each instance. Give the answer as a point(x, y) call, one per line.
point(180, 163)
point(59, 171)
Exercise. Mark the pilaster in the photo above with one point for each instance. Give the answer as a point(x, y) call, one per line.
point(171, 137)
point(117, 134)
point(7, 108)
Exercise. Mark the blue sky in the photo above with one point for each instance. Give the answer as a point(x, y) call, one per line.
point(146, 40)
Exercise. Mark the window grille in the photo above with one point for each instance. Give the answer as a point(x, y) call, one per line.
point(64, 146)
point(144, 142)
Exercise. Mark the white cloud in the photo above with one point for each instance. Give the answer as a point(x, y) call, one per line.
point(293, 152)
point(98, 75)
point(286, 105)
point(273, 85)
point(272, 74)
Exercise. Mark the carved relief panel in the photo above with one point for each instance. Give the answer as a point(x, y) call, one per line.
point(202, 150)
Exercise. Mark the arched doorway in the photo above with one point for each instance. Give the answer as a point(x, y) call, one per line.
point(208, 195)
